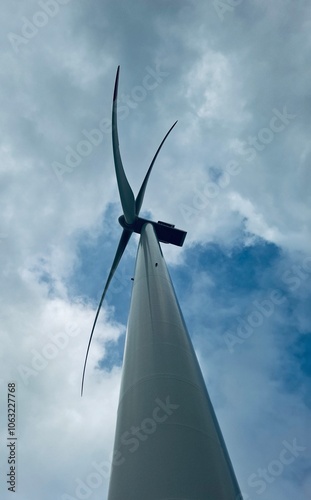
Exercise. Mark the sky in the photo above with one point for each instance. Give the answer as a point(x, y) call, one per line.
point(233, 174)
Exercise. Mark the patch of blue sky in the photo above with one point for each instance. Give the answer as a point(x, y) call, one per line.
point(301, 350)
point(95, 255)
point(234, 274)
point(235, 280)
point(215, 173)
point(43, 276)
point(114, 351)
point(295, 331)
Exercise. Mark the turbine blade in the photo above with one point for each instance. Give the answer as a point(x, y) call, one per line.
point(125, 190)
point(125, 236)
point(141, 194)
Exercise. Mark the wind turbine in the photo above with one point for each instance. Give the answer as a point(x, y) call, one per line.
point(168, 444)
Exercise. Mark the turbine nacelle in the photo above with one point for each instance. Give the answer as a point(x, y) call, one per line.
point(166, 233)
point(130, 220)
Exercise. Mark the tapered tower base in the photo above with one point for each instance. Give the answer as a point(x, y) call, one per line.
point(168, 444)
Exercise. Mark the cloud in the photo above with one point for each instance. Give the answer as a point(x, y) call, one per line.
point(234, 174)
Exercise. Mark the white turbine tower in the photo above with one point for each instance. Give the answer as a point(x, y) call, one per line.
point(168, 444)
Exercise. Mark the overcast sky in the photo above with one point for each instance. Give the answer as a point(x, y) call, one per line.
point(234, 173)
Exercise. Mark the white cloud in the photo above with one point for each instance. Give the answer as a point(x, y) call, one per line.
point(225, 79)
